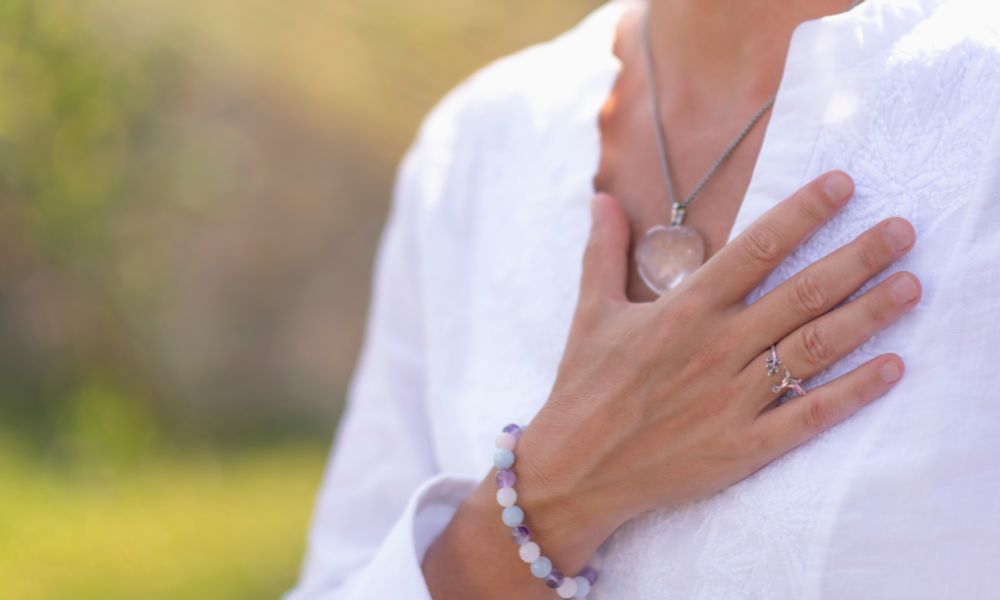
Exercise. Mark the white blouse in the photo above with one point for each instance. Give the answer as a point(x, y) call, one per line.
point(476, 282)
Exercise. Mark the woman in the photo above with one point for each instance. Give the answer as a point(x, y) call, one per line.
point(652, 419)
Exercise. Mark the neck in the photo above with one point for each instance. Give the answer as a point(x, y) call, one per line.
point(711, 50)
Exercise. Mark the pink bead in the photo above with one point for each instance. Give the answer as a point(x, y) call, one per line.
point(506, 441)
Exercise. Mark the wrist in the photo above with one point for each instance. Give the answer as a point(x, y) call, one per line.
point(568, 525)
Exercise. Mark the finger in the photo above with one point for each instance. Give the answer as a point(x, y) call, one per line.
point(795, 422)
point(825, 283)
point(822, 342)
point(605, 259)
point(742, 264)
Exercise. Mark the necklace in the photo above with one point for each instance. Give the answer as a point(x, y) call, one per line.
point(667, 254)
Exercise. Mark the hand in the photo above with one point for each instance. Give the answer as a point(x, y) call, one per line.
point(661, 403)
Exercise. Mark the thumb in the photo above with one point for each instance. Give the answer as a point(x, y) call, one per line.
point(605, 259)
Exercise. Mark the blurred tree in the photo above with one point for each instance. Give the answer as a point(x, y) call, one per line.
point(190, 197)
point(71, 117)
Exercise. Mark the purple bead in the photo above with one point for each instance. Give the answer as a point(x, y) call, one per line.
point(589, 573)
point(520, 535)
point(555, 578)
point(506, 478)
point(513, 429)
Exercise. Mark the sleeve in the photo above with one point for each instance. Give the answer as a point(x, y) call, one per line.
point(383, 501)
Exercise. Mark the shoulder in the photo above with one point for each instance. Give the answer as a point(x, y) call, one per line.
point(915, 118)
point(938, 80)
point(977, 20)
point(954, 38)
point(944, 65)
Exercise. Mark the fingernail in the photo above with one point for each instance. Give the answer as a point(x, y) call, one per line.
point(899, 234)
point(838, 187)
point(903, 289)
point(891, 372)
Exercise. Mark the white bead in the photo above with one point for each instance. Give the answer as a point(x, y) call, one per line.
point(582, 587)
point(529, 552)
point(506, 497)
point(506, 441)
point(567, 589)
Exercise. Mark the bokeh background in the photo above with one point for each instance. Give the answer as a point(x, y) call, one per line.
point(191, 194)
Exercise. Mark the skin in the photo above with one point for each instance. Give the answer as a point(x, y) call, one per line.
point(662, 401)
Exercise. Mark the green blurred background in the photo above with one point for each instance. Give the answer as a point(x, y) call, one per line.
point(190, 197)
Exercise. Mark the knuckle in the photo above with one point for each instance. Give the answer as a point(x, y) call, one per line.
point(681, 309)
point(812, 208)
point(858, 391)
point(868, 258)
point(730, 393)
point(760, 443)
point(808, 296)
point(735, 443)
point(698, 290)
point(874, 309)
point(816, 416)
point(710, 354)
point(816, 345)
point(762, 245)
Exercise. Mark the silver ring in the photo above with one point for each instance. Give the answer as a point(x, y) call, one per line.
point(788, 382)
point(773, 363)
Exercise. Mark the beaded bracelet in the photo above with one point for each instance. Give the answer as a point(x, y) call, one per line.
point(513, 517)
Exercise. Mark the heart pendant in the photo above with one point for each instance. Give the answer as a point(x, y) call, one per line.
point(667, 254)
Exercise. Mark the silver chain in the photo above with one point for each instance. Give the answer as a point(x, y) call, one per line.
point(680, 208)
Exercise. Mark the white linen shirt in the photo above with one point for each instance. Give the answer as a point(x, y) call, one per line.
point(476, 282)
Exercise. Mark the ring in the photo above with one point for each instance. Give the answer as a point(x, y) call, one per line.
point(774, 365)
point(772, 362)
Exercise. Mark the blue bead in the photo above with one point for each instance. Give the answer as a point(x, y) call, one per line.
point(541, 567)
point(503, 459)
point(512, 516)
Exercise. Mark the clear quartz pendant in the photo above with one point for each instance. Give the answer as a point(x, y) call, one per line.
point(667, 254)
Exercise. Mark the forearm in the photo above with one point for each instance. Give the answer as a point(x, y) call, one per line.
point(475, 557)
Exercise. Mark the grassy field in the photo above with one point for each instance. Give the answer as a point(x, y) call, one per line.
point(174, 527)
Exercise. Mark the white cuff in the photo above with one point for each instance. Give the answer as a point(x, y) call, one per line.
point(395, 569)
